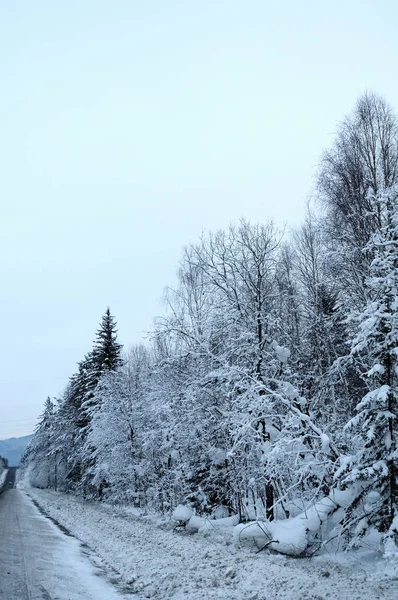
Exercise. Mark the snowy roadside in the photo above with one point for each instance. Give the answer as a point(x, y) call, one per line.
point(163, 564)
point(3, 477)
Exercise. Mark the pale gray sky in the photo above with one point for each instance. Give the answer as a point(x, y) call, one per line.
point(127, 127)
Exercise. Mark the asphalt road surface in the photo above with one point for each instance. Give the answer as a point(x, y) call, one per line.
point(39, 562)
point(10, 480)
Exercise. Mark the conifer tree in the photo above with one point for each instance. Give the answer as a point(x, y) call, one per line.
point(106, 352)
point(80, 401)
point(105, 357)
point(38, 453)
point(373, 469)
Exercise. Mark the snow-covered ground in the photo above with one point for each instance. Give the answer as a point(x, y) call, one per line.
point(3, 477)
point(158, 562)
point(37, 561)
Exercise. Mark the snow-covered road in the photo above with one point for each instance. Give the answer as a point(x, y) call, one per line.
point(39, 562)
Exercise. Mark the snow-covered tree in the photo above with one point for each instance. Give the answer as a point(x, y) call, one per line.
point(244, 400)
point(373, 469)
point(116, 435)
point(105, 357)
point(38, 456)
point(362, 162)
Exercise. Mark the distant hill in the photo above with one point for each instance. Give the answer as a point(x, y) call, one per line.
point(13, 448)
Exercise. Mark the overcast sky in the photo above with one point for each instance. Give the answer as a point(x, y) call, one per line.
point(128, 127)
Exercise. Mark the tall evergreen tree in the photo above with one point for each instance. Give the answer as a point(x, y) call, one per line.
point(80, 401)
point(39, 452)
point(105, 357)
point(106, 352)
point(374, 467)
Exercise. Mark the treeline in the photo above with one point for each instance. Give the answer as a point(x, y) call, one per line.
point(271, 380)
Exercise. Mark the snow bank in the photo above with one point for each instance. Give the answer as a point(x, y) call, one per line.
point(286, 536)
point(182, 513)
point(3, 477)
point(289, 537)
point(200, 524)
point(293, 536)
point(167, 565)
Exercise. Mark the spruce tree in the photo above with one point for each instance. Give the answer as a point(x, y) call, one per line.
point(373, 469)
point(106, 352)
point(39, 453)
point(81, 401)
point(105, 357)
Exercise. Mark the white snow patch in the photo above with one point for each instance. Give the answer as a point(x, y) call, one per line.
point(3, 476)
point(201, 524)
point(282, 353)
point(182, 513)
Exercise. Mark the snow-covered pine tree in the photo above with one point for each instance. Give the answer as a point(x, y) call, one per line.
point(69, 423)
point(79, 401)
point(117, 432)
point(38, 457)
point(105, 357)
point(372, 471)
